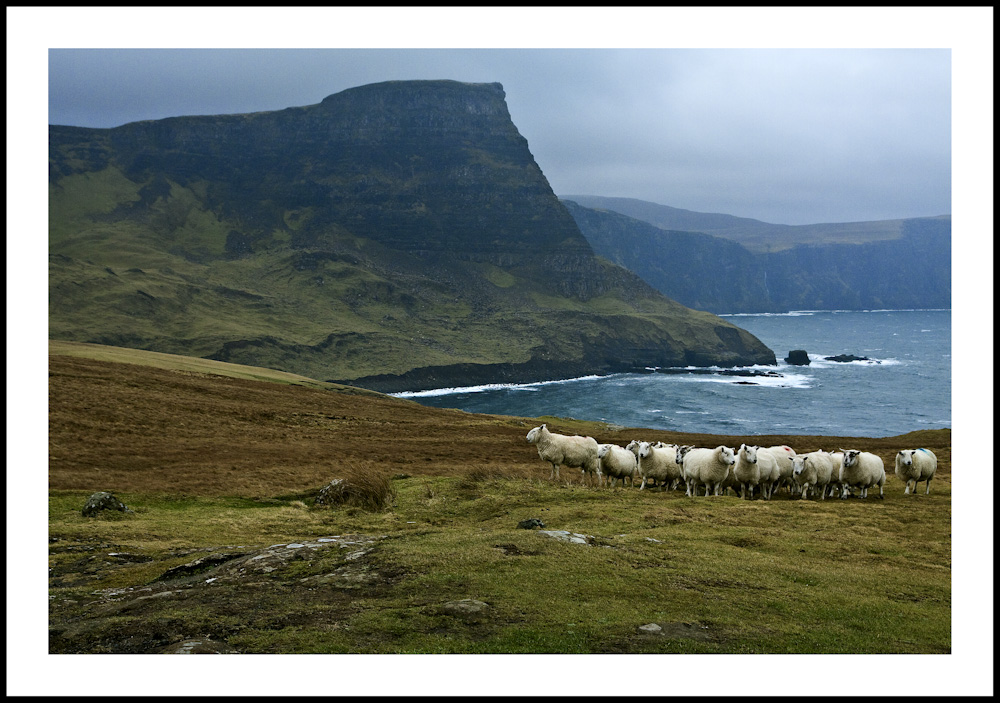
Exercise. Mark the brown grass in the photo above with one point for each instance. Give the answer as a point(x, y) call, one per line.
point(138, 429)
point(364, 485)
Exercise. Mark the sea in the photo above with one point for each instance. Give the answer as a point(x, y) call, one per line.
point(903, 384)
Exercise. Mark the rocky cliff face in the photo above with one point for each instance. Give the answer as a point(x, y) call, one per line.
point(391, 228)
point(911, 269)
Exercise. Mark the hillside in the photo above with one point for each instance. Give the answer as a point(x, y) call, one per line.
point(225, 549)
point(715, 273)
point(758, 237)
point(394, 236)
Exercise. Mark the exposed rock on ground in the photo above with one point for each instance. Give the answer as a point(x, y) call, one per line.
point(103, 501)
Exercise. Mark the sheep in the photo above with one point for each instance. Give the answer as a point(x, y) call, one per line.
point(710, 467)
point(814, 469)
point(754, 466)
point(863, 470)
point(689, 479)
point(783, 454)
point(618, 463)
point(837, 458)
point(573, 451)
point(658, 461)
point(745, 470)
point(914, 466)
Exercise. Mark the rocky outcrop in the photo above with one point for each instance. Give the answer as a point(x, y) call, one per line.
point(797, 357)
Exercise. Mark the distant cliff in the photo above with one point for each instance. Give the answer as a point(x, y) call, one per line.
point(909, 269)
point(394, 234)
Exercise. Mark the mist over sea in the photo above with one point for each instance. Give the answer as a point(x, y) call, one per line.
point(905, 385)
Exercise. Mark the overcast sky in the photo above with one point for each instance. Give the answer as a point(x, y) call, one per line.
point(791, 136)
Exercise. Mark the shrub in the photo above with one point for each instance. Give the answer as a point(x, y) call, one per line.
point(365, 485)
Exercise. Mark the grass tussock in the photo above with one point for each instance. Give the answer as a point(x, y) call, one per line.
point(365, 485)
point(482, 473)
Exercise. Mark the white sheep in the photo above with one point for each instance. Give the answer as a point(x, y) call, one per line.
point(659, 462)
point(914, 466)
point(783, 454)
point(754, 467)
point(709, 467)
point(837, 458)
point(617, 463)
point(813, 470)
point(568, 450)
point(689, 479)
point(861, 470)
point(746, 472)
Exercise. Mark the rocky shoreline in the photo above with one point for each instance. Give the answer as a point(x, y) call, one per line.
point(535, 371)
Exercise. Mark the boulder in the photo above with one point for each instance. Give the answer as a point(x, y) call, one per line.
point(204, 645)
point(103, 500)
point(797, 357)
point(332, 493)
point(466, 609)
point(530, 523)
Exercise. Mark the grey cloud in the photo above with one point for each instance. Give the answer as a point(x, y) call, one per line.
point(791, 136)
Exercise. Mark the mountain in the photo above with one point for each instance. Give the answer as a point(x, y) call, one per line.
point(756, 236)
point(810, 270)
point(394, 236)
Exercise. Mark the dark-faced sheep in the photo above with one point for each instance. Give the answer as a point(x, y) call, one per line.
point(914, 466)
point(861, 470)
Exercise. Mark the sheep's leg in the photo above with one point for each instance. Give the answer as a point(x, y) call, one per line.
point(928, 491)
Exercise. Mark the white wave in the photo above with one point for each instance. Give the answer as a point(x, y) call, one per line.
point(820, 361)
point(783, 381)
point(797, 313)
point(790, 313)
point(489, 387)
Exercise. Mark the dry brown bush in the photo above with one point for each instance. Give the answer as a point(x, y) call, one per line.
point(364, 485)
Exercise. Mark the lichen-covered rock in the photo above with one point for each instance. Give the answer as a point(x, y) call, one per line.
point(530, 524)
point(103, 501)
point(203, 645)
point(567, 536)
point(466, 609)
point(332, 493)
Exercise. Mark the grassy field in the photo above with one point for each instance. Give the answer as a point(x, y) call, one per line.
point(219, 467)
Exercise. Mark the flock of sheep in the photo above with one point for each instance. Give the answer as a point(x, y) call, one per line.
point(746, 471)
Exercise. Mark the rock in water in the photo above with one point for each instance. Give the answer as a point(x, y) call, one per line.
point(797, 357)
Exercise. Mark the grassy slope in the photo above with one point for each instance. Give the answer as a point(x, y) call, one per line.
point(213, 463)
point(344, 310)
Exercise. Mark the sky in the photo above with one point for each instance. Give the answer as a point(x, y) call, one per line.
point(789, 136)
point(786, 115)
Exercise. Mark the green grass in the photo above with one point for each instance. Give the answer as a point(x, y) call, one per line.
point(721, 575)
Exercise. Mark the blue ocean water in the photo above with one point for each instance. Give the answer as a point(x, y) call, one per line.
point(905, 385)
